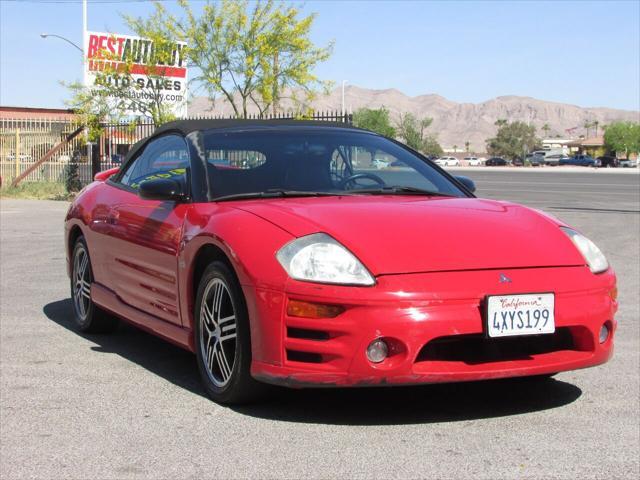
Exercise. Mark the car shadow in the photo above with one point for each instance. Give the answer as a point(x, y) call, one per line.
point(148, 351)
point(339, 406)
point(435, 403)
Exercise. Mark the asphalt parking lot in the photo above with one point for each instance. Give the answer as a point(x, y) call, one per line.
point(131, 406)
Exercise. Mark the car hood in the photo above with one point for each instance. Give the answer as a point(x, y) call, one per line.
point(403, 234)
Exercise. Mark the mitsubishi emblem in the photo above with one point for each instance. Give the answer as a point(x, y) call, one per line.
point(504, 278)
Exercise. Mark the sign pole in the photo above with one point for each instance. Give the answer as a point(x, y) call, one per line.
point(17, 152)
point(84, 42)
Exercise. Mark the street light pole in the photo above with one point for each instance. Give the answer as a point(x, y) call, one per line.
point(343, 84)
point(45, 35)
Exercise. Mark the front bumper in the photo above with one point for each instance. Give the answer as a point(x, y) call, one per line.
point(434, 325)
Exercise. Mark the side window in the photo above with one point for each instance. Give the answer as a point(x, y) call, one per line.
point(236, 159)
point(340, 166)
point(378, 167)
point(164, 157)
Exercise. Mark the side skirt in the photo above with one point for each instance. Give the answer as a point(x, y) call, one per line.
point(108, 300)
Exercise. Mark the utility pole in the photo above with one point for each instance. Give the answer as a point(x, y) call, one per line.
point(343, 84)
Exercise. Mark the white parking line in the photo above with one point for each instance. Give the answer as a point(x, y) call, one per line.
point(617, 185)
point(524, 190)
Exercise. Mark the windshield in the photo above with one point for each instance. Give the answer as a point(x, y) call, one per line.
point(320, 161)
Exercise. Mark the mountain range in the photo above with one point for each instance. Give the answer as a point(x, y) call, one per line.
point(456, 123)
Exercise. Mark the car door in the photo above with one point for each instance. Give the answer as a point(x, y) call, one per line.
point(146, 234)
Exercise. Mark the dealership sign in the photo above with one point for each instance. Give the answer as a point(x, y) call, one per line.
point(144, 79)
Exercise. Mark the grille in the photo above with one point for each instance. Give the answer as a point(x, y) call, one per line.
point(477, 349)
point(306, 357)
point(307, 334)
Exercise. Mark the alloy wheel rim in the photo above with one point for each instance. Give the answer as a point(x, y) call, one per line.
point(218, 341)
point(81, 283)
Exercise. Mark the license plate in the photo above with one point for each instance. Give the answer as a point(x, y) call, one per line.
point(531, 314)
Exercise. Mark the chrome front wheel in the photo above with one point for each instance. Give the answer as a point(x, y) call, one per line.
point(223, 338)
point(218, 332)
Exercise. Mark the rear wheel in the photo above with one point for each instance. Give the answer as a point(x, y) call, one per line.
point(223, 339)
point(88, 317)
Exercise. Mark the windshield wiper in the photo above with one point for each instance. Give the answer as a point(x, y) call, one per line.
point(277, 193)
point(401, 190)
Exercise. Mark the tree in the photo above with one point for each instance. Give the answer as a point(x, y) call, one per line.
point(72, 181)
point(431, 147)
point(595, 124)
point(546, 129)
point(513, 140)
point(413, 132)
point(467, 144)
point(376, 120)
point(623, 137)
point(500, 122)
point(250, 53)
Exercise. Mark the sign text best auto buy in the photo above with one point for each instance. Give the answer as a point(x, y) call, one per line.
point(111, 52)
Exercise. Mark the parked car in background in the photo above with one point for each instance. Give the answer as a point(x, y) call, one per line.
point(380, 164)
point(626, 163)
point(448, 162)
point(517, 162)
point(23, 157)
point(536, 159)
point(578, 160)
point(607, 161)
point(496, 162)
point(116, 159)
point(554, 159)
point(473, 161)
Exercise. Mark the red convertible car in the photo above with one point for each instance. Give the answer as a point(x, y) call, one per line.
point(278, 253)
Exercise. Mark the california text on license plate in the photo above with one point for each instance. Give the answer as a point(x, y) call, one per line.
point(530, 314)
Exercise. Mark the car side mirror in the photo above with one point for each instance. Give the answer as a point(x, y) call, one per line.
point(164, 189)
point(467, 182)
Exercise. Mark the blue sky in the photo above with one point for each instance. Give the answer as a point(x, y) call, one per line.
point(583, 52)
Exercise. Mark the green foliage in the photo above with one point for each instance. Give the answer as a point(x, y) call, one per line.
point(72, 183)
point(412, 131)
point(513, 140)
point(430, 146)
point(251, 53)
point(376, 120)
point(36, 191)
point(623, 137)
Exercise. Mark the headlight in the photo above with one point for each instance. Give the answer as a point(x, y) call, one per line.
point(320, 258)
point(591, 253)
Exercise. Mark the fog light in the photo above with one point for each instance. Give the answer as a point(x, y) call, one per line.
point(377, 351)
point(604, 333)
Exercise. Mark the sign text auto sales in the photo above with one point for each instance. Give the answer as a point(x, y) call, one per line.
point(148, 74)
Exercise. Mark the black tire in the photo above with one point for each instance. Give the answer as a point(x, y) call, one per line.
point(88, 317)
point(224, 383)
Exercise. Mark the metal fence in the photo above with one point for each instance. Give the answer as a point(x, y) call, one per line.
point(23, 142)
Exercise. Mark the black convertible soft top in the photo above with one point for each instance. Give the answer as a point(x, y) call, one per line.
point(187, 126)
